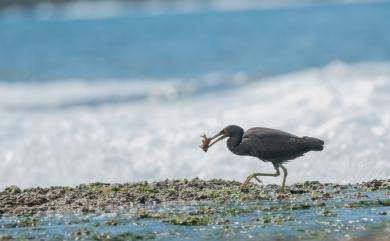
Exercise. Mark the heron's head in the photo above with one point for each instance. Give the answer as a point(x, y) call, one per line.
point(228, 131)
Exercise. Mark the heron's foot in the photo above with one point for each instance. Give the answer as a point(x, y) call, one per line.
point(245, 184)
point(244, 188)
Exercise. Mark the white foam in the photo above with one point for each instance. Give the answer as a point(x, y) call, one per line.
point(75, 92)
point(346, 105)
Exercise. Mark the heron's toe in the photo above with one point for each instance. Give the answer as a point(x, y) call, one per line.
point(244, 187)
point(244, 190)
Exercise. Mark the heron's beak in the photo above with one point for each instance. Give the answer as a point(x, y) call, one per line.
point(221, 135)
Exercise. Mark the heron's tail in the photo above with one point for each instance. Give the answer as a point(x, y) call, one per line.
point(313, 144)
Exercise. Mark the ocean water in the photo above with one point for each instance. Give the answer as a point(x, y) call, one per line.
point(125, 98)
point(320, 221)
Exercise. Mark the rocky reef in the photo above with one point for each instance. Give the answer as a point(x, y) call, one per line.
point(105, 198)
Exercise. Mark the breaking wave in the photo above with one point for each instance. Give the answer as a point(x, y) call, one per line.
point(71, 132)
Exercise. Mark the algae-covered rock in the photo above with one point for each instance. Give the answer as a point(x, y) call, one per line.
point(26, 222)
point(292, 207)
point(274, 219)
point(375, 185)
point(86, 234)
point(12, 190)
point(222, 211)
point(327, 213)
point(104, 197)
point(300, 206)
point(189, 220)
point(368, 203)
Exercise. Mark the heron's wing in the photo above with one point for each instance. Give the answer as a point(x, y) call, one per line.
point(274, 145)
point(250, 146)
point(260, 131)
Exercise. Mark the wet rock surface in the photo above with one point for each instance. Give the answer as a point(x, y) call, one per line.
point(102, 197)
point(197, 209)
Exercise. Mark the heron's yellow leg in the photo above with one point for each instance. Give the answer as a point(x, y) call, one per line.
point(248, 178)
point(284, 177)
point(255, 175)
point(257, 179)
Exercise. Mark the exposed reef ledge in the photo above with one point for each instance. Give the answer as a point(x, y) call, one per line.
point(102, 197)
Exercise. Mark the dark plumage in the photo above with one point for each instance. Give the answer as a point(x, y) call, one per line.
point(267, 144)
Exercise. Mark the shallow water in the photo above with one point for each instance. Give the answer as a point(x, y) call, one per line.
point(343, 217)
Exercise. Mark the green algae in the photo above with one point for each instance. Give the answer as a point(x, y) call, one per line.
point(102, 188)
point(148, 189)
point(79, 221)
point(367, 203)
point(327, 213)
point(121, 237)
point(385, 203)
point(275, 219)
point(68, 189)
point(86, 234)
point(200, 216)
point(222, 211)
point(300, 206)
point(25, 222)
point(189, 220)
point(114, 223)
point(292, 207)
point(149, 214)
point(116, 189)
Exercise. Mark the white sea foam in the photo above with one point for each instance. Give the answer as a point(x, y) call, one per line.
point(157, 138)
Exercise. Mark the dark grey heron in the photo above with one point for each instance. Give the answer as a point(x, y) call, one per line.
point(269, 145)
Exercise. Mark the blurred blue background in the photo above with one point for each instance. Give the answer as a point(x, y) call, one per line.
point(121, 90)
point(60, 43)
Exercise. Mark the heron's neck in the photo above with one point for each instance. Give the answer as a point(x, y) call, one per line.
point(233, 143)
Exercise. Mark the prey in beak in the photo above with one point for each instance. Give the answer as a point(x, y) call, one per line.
point(208, 142)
